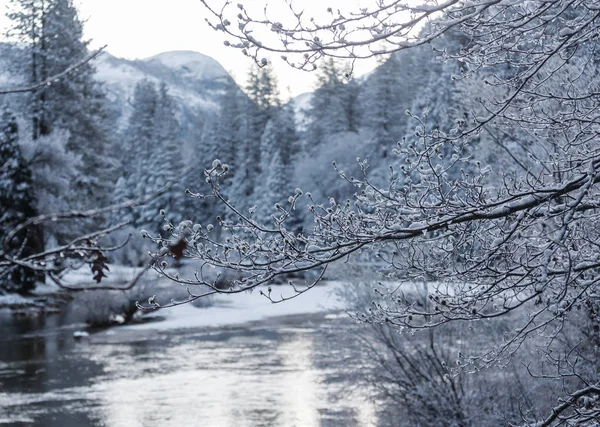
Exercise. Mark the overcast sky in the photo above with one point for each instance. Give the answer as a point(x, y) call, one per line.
point(142, 28)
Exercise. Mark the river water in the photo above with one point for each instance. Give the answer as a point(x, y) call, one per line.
point(298, 372)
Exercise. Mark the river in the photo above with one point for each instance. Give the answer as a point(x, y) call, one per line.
point(297, 371)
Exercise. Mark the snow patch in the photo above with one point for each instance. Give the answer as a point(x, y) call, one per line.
point(190, 63)
point(13, 300)
point(238, 309)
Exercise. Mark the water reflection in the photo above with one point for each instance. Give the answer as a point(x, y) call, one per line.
point(276, 376)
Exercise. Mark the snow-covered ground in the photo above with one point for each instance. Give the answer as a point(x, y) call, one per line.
point(225, 310)
point(36, 301)
point(239, 309)
point(11, 300)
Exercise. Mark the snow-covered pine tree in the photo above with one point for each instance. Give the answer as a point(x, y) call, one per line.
point(241, 185)
point(165, 162)
point(202, 210)
point(16, 206)
point(229, 126)
point(152, 156)
point(333, 106)
point(287, 134)
point(383, 99)
point(253, 113)
point(222, 136)
point(350, 92)
point(272, 179)
point(278, 141)
point(275, 189)
point(123, 191)
point(137, 146)
point(261, 106)
point(28, 30)
point(77, 104)
point(262, 89)
point(50, 34)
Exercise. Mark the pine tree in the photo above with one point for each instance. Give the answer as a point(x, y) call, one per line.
point(248, 119)
point(287, 134)
point(260, 107)
point(350, 92)
point(262, 90)
point(382, 109)
point(229, 128)
point(16, 205)
point(243, 180)
point(29, 30)
point(123, 192)
point(153, 156)
point(202, 210)
point(333, 105)
point(52, 38)
point(165, 162)
point(274, 189)
point(273, 180)
point(225, 136)
point(138, 143)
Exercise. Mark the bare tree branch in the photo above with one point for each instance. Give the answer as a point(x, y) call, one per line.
point(56, 77)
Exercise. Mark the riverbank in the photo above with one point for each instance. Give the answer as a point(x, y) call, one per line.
point(245, 310)
point(232, 311)
point(37, 303)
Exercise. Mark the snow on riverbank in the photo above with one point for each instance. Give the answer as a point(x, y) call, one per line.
point(224, 310)
point(239, 309)
point(12, 300)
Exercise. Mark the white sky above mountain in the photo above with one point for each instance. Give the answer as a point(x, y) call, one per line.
point(136, 29)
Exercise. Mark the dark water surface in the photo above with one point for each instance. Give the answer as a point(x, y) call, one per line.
point(293, 374)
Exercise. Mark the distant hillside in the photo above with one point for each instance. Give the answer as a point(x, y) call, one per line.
point(194, 80)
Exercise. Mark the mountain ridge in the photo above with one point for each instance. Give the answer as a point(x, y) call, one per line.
point(196, 88)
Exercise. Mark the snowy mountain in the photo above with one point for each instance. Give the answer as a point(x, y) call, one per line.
point(190, 64)
point(194, 80)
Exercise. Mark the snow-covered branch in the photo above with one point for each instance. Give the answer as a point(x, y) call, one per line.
point(83, 249)
point(514, 240)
